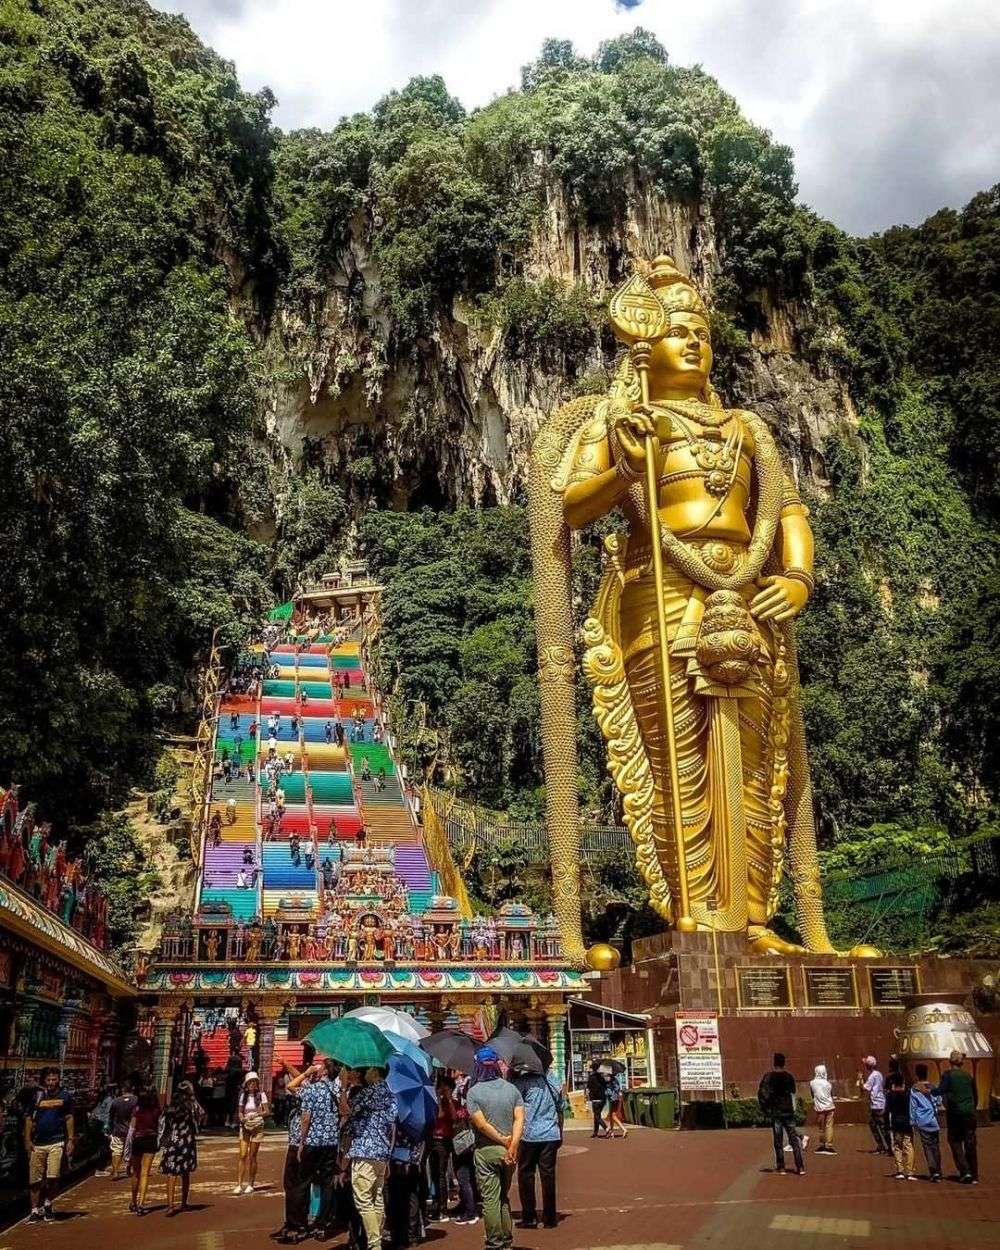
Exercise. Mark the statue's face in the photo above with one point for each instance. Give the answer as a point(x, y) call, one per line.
point(683, 357)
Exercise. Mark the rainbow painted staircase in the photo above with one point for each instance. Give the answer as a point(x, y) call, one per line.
point(329, 794)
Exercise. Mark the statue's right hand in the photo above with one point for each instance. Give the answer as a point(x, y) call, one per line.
point(630, 430)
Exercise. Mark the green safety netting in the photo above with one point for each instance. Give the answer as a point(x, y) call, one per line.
point(283, 612)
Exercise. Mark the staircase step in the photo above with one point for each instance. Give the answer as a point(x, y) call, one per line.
point(242, 903)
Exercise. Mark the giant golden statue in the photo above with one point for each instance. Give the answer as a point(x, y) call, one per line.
point(689, 646)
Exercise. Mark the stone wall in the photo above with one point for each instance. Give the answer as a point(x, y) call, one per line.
point(672, 971)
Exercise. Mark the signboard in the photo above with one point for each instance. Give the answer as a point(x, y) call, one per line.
point(699, 1055)
point(831, 988)
point(764, 988)
point(890, 987)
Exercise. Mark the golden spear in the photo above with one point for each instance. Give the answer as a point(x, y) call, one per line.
point(640, 320)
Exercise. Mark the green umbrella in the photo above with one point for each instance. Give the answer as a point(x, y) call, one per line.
point(354, 1043)
point(283, 612)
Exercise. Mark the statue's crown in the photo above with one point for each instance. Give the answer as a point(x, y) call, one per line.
point(675, 290)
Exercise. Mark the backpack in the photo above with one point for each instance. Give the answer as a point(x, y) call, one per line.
point(764, 1093)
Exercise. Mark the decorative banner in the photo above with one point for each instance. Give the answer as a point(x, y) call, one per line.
point(699, 1054)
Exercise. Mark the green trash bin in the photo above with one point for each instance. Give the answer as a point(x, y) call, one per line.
point(628, 1106)
point(643, 1108)
point(655, 1106)
point(663, 1107)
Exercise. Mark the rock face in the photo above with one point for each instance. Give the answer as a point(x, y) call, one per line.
point(451, 420)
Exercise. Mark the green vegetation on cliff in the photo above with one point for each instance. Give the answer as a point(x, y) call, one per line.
point(134, 184)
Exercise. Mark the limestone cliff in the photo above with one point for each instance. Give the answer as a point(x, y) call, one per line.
point(451, 420)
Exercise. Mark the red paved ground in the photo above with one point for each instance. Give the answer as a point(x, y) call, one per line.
point(696, 1191)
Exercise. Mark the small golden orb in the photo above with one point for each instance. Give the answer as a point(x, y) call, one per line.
point(863, 951)
point(602, 957)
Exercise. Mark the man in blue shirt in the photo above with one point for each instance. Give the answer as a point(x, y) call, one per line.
point(319, 1130)
point(371, 1126)
point(48, 1135)
point(924, 1105)
point(540, 1143)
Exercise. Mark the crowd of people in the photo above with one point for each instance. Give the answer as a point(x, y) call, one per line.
point(900, 1111)
point(349, 1164)
point(34, 860)
point(380, 1185)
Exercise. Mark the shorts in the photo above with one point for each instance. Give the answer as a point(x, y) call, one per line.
point(143, 1146)
point(252, 1135)
point(46, 1162)
point(117, 1145)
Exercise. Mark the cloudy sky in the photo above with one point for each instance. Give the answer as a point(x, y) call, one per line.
point(891, 106)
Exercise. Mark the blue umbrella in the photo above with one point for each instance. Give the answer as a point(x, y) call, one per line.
point(417, 1105)
point(411, 1050)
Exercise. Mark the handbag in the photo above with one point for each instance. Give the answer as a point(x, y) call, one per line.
point(463, 1140)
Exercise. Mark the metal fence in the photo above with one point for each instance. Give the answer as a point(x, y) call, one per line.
point(468, 828)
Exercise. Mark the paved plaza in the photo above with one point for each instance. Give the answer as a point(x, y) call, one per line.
point(653, 1191)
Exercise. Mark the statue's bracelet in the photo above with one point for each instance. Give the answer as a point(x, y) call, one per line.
point(624, 470)
point(800, 575)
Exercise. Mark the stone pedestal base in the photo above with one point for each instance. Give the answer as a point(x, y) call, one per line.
point(815, 1009)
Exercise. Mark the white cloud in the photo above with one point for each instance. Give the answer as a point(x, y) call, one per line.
point(890, 105)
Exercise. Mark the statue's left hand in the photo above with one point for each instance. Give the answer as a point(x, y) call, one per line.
point(780, 599)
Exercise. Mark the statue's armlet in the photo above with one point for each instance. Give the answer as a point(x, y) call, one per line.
point(791, 504)
point(588, 454)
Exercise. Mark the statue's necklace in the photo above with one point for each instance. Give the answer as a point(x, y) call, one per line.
point(718, 459)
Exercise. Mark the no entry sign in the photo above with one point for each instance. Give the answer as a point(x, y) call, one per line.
point(699, 1056)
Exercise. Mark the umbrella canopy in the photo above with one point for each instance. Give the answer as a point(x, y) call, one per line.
point(452, 1049)
point(416, 1103)
point(503, 1042)
point(390, 1021)
point(354, 1043)
point(412, 1051)
point(540, 1049)
point(526, 1061)
point(612, 1065)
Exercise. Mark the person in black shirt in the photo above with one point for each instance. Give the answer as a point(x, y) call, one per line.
point(897, 1112)
point(597, 1092)
point(776, 1095)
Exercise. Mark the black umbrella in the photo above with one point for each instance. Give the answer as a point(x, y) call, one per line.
point(452, 1049)
point(526, 1061)
point(615, 1065)
point(503, 1042)
point(540, 1049)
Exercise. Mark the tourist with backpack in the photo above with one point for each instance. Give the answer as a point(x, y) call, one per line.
point(776, 1096)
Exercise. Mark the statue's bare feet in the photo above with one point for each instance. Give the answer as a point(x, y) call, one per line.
point(763, 942)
